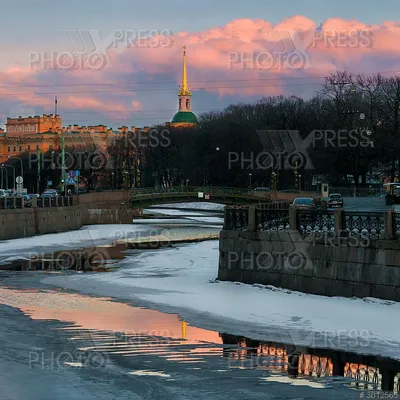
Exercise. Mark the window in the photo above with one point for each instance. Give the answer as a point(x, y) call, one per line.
point(29, 147)
point(20, 148)
point(187, 103)
point(15, 149)
point(9, 148)
point(37, 147)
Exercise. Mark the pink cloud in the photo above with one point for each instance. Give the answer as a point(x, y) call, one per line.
point(242, 58)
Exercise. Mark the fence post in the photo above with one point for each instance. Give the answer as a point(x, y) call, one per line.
point(34, 202)
point(388, 220)
point(292, 219)
point(340, 221)
point(251, 226)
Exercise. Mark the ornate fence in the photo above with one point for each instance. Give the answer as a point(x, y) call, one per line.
point(315, 221)
point(279, 216)
point(370, 224)
point(266, 217)
point(236, 218)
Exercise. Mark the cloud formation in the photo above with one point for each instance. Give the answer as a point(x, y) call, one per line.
point(243, 59)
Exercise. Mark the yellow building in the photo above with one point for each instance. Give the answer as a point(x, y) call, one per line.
point(45, 133)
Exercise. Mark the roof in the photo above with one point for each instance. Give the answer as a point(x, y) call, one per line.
point(184, 117)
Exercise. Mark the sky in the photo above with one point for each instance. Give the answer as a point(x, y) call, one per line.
point(99, 59)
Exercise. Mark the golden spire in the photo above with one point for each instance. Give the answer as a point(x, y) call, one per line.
point(184, 89)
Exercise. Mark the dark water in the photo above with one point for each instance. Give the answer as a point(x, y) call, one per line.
point(80, 346)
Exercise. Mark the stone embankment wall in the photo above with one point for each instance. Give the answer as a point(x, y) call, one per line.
point(318, 264)
point(88, 209)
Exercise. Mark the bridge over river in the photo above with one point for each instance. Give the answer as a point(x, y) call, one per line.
point(145, 197)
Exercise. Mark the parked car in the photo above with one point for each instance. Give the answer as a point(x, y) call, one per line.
point(3, 193)
point(261, 189)
point(50, 193)
point(335, 200)
point(304, 203)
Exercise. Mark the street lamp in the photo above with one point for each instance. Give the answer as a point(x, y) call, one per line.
point(217, 149)
point(5, 165)
point(20, 160)
point(250, 180)
point(5, 169)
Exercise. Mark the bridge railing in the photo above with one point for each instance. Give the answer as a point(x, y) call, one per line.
point(189, 189)
point(279, 216)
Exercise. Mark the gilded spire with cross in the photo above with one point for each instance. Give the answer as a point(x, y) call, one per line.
point(184, 89)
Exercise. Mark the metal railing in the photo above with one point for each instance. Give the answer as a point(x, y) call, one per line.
point(18, 202)
point(308, 221)
point(371, 224)
point(213, 190)
point(236, 218)
point(276, 217)
point(272, 219)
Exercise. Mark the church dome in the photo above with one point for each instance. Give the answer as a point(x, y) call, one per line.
point(184, 117)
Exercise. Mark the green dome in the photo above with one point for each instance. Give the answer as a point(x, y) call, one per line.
point(184, 117)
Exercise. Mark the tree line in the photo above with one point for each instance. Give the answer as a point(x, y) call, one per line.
point(347, 132)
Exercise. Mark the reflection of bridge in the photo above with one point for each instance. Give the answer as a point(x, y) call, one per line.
point(148, 196)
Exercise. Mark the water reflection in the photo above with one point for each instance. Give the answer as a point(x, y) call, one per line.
point(111, 330)
point(367, 372)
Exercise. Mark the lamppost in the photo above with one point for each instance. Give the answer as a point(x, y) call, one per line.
point(20, 160)
point(10, 166)
point(5, 169)
point(274, 183)
point(250, 181)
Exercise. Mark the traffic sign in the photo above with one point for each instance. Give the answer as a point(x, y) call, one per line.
point(77, 173)
point(71, 174)
point(49, 183)
point(70, 181)
point(19, 179)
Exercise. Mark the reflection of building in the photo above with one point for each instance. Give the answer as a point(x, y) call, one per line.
point(184, 117)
